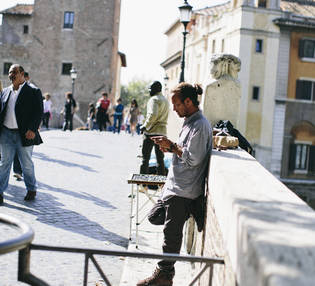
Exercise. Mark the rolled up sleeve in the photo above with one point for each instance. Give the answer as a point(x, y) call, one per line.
point(196, 148)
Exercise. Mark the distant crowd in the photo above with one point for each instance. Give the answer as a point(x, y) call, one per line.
point(102, 116)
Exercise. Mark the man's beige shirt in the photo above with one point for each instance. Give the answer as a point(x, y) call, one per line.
point(157, 114)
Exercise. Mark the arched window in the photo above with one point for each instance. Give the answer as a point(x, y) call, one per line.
point(302, 149)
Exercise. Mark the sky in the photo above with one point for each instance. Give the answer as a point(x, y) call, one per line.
point(141, 35)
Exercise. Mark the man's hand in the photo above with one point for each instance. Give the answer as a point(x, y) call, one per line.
point(30, 135)
point(163, 142)
point(142, 129)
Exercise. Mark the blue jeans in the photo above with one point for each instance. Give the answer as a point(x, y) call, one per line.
point(10, 144)
point(119, 119)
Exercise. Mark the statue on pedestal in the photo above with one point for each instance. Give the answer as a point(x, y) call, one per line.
point(221, 100)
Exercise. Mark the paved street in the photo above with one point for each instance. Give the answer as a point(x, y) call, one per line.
point(82, 201)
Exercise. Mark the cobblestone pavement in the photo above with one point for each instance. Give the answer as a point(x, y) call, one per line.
point(82, 201)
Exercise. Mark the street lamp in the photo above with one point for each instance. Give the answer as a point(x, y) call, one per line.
point(185, 14)
point(73, 74)
point(166, 78)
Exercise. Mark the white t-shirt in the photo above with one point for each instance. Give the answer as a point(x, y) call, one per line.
point(47, 105)
point(10, 118)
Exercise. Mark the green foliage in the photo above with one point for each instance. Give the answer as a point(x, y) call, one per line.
point(136, 89)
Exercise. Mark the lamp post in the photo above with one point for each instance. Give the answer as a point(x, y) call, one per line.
point(166, 78)
point(73, 74)
point(185, 14)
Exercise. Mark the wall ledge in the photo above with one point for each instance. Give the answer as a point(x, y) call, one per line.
point(267, 230)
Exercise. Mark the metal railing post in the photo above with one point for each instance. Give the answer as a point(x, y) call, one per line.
point(24, 274)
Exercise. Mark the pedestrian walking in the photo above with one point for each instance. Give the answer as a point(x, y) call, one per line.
point(68, 111)
point(17, 169)
point(140, 122)
point(118, 115)
point(186, 176)
point(91, 116)
point(154, 125)
point(127, 122)
point(133, 116)
point(21, 113)
point(102, 106)
point(47, 110)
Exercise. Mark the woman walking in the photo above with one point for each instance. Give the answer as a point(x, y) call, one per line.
point(68, 111)
point(133, 116)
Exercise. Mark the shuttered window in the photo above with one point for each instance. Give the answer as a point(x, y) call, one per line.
point(305, 89)
point(302, 158)
point(307, 48)
point(68, 20)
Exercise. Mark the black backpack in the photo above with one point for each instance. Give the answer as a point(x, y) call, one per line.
point(227, 127)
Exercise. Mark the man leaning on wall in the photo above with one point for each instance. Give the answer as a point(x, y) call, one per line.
point(186, 176)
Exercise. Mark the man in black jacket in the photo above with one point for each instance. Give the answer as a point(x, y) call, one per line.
point(21, 110)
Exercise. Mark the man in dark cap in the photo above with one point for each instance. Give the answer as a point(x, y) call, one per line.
point(154, 124)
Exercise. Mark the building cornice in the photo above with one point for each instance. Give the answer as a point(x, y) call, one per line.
point(280, 100)
point(19, 10)
point(171, 59)
point(292, 23)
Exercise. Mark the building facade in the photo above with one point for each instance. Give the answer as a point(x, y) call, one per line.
point(50, 38)
point(275, 42)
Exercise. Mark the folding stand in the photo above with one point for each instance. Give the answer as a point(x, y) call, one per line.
point(139, 180)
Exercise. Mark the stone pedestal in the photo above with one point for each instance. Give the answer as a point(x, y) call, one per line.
point(222, 101)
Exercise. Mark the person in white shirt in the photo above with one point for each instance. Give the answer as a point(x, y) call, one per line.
point(47, 110)
point(21, 112)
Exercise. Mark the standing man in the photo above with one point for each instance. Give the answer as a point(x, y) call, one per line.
point(21, 112)
point(118, 115)
point(154, 125)
point(186, 177)
point(101, 111)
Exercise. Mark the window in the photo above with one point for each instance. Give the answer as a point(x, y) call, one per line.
point(68, 20)
point(302, 156)
point(25, 29)
point(66, 68)
point(262, 3)
point(255, 93)
point(305, 89)
point(307, 48)
point(213, 46)
point(259, 45)
point(6, 67)
point(222, 46)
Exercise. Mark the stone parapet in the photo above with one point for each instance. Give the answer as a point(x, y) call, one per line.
point(265, 232)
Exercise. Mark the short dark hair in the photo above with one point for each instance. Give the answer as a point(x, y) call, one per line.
point(21, 69)
point(134, 101)
point(185, 90)
point(104, 93)
point(26, 74)
point(156, 85)
point(69, 94)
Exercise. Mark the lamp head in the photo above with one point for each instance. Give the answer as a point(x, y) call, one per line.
point(73, 73)
point(185, 12)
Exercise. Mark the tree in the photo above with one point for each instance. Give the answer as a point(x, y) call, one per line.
point(136, 89)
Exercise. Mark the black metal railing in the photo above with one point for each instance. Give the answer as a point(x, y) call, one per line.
point(24, 246)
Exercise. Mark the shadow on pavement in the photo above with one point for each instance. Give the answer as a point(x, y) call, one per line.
point(83, 196)
point(79, 153)
point(42, 156)
point(51, 212)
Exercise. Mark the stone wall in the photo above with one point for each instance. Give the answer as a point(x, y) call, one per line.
point(265, 232)
point(91, 46)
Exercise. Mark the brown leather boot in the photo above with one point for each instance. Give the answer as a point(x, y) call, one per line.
point(158, 278)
